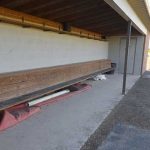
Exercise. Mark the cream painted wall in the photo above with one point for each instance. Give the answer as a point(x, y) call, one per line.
point(27, 48)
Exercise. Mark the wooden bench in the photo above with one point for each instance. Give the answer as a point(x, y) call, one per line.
point(22, 86)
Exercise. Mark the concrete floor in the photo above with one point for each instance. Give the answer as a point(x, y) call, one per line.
point(132, 114)
point(66, 125)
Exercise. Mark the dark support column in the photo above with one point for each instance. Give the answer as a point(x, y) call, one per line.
point(143, 54)
point(126, 56)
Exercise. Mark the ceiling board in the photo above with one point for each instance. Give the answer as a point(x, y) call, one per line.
point(95, 15)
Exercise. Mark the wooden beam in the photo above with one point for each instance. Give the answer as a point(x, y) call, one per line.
point(17, 84)
point(76, 15)
point(23, 19)
point(85, 33)
point(5, 2)
point(91, 21)
point(105, 28)
point(13, 3)
point(62, 9)
point(106, 24)
point(83, 18)
point(56, 6)
point(31, 5)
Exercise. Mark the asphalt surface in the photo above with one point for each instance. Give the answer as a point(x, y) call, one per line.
point(126, 137)
point(132, 110)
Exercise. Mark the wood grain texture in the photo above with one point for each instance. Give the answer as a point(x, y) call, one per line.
point(26, 20)
point(16, 84)
point(91, 15)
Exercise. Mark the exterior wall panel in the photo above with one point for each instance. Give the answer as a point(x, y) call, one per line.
point(114, 52)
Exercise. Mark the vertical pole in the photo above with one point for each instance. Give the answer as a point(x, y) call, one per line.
point(126, 56)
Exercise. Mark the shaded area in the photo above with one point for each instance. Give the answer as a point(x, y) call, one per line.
point(93, 15)
point(133, 109)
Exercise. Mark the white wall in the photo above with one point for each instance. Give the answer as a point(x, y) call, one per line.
point(27, 48)
point(114, 47)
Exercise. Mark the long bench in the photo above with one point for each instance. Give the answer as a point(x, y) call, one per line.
point(22, 86)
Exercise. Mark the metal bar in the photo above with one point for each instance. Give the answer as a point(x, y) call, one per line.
point(126, 56)
point(45, 98)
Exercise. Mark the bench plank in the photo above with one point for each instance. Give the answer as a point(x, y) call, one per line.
point(18, 84)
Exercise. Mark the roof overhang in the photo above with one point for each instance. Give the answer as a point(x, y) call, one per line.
point(124, 8)
point(147, 2)
point(142, 9)
point(93, 15)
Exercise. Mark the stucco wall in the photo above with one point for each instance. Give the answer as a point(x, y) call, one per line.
point(113, 53)
point(139, 55)
point(114, 50)
point(27, 48)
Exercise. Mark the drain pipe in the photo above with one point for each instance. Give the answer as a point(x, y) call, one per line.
point(45, 98)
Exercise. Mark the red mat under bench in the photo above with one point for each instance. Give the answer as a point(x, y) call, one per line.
point(16, 114)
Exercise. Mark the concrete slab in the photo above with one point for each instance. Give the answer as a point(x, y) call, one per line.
point(66, 125)
point(127, 137)
point(133, 110)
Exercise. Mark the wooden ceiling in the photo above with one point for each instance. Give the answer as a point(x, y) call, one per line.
point(93, 15)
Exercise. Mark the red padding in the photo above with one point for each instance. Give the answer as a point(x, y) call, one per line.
point(12, 117)
point(80, 87)
point(16, 114)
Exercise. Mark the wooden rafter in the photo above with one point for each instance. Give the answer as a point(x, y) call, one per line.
point(85, 14)
point(23, 19)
